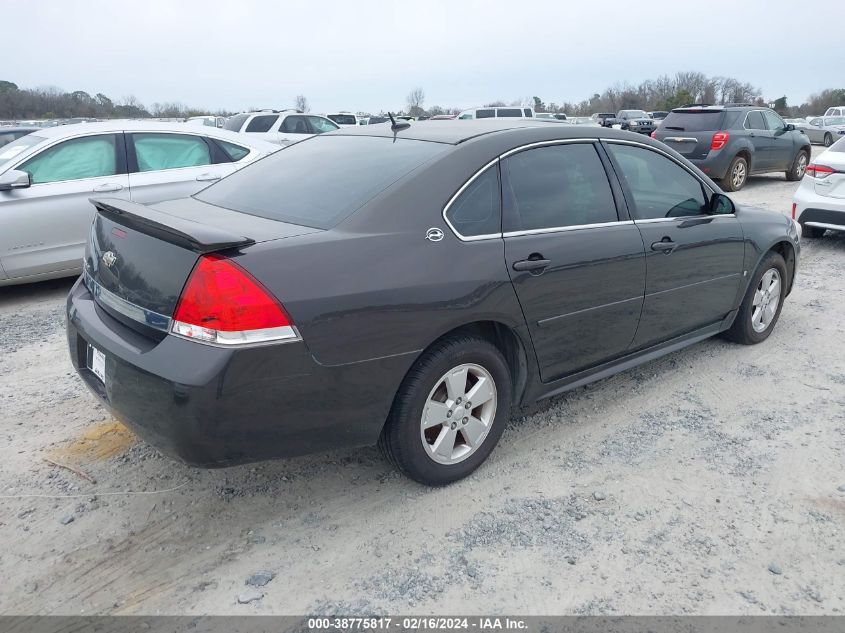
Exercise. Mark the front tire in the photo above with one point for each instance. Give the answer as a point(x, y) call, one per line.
point(450, 411)
point(763, 301)
point(828, 139)
point(799, 166)
point(737, 174)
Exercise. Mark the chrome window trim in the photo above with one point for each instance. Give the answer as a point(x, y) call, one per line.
point(457, 194)
point(685, 217)
point(561, 229)
point(559, 141)
point(124, 307)
point(754, 129)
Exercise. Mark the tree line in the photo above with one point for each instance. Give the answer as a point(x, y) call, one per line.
point(663, 93)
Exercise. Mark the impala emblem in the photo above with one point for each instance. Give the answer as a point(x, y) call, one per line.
point(434, 234)
point(109, 259)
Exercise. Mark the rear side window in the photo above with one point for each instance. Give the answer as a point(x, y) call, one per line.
point(155, 152)
point(87, 157)
point(477, 211)
point(660, 187)
point(235, 123)
point(509, 112)
point(559, 186)
point(234, 152)
point(754, 121)
point(485, 114)
point(262, 123)
point(321, 181)
point(693, 121)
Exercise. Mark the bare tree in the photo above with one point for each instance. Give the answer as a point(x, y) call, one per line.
point(416, 99)
point(302, 103)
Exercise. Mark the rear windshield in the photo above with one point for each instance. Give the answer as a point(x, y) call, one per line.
point(343, 119)
point(234, 123)
point(693, 121)
point(321, 181)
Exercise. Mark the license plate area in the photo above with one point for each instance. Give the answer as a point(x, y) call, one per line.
point(96, 363)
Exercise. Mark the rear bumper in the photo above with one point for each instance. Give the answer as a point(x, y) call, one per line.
point(812, 209)
point(209, 406)
point(715, 164)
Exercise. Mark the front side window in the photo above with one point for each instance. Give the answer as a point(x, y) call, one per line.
point(559, 186)
point(86, 157)
point(262, 123)
point(477, 211)
point(320, 125)
point(754, 121)
point(294, 125)
point(660, 187)
point(776, 124)
point(155, 152)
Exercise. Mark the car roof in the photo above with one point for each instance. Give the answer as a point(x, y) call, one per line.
point(142, 125)
point(19, 128)
point(455, 132)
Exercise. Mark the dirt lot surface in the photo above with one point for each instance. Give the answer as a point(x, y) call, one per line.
point(709, 482)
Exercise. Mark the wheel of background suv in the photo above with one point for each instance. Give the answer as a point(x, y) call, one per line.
point(737, 174)
point(762, 303)
point(811, 231)
point(450, 411)
point(828, 139)
point(799, 166)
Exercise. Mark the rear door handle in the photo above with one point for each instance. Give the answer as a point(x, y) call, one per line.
point(665, 245)
point(108, 187)
point(208, 177)
point(538, 264)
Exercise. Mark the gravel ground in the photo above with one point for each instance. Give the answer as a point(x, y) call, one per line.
point(709, 482)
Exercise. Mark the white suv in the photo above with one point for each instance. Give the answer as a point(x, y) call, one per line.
point(281, 127)
point(497, 112)
point(343, 119)
point(840, 111)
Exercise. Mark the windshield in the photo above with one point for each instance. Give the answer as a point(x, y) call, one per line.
point(635, 114)
point(321, 181)
point(343, 119)
point(13, 149)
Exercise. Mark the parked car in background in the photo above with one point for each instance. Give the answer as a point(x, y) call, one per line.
point(605, 119)
point(9, 134)
point(582, 120)
point(209, 120)
point(636, 121)
point(836, 111)
point(819, 202)
point(48, 176)
point(658, 115)
point(730, 142)
point(343, 119)
point(443, 117)
point(250, 300)
point(280, 127)
point(510, 112)
point(824, 130)
point(375, 120)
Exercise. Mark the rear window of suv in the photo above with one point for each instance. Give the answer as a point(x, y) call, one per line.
point(693, 121)
point(235, 123)
point(321, 181)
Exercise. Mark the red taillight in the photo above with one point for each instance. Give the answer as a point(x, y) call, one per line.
point(820, 171)
point(653, 134)
point(793, 210)
point(720, 139)
point(222, 303)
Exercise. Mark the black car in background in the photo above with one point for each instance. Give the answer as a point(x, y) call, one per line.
point(636, 121)
point(730, 142)
point(446, 273)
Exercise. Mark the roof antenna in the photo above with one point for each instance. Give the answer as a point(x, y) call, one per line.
point(396, 126)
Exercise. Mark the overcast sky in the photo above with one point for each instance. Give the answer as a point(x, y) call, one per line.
point(367, 55)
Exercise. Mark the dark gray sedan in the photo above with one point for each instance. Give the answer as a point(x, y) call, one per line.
point(411, 285)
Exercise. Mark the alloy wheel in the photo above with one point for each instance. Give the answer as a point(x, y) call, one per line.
point(458, 413)
point(738, 175)
point(766, 300)
point(802, 164)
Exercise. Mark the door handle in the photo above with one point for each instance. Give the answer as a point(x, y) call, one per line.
point(108, 187)
point(208, 177)
point(665, 245)
point(534, 264)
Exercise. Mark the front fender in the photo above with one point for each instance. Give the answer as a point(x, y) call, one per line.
point(763, 231)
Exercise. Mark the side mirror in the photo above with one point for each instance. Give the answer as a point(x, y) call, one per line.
point(790, 127)
point(14, 179)
point(720, 204)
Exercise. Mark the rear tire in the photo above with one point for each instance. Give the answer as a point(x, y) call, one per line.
point(799, 166)
point(737, 174)
point(436, 435)
point(828, 139)
point(812, 231)
point(758, 313)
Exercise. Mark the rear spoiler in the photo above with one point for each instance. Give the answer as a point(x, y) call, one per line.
point(188, 234)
